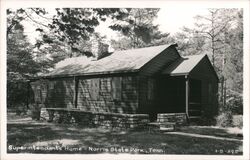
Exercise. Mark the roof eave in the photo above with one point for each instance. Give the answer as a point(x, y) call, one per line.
point(84, 74)
point(179, 74)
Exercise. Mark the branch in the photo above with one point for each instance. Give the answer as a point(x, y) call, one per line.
point(41, 15)
point(9, 29)
point(34, 20)
point(235, 93)
point(202, 17)
point(213, 11)
point(12, 24)
point(208, 33)
point(208, 37)
point(218, 48)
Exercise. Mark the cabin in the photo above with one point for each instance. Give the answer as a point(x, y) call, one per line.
point(146, 82)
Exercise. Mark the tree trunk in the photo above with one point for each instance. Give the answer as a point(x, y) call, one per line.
point(225, 93)
point(222, 91)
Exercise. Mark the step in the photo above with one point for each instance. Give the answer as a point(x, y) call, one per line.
point(167, 129)
point(194, 110)
point(167, 124)
point(194, 114)
point(158, 126)
point(194, 120)
point(194, 117)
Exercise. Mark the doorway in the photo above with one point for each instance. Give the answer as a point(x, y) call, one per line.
point(171, 94)
point(194, 97)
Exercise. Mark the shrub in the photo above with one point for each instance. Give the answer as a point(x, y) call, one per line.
point(20, 109)
point(238, 121)
point(235, 104)
point(16, 93)
point(35, 111)
point(225, 119)
point(207, 121)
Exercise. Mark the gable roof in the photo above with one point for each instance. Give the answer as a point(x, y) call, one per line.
point(119, 61)
point(186, 64)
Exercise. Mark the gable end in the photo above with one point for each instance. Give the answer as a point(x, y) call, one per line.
point(204, 68)
point(160, 62)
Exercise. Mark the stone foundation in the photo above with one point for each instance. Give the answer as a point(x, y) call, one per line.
point(95, 119)
point(44, 115)
point(178, 118)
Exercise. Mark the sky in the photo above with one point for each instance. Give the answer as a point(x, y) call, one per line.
point(170, 20)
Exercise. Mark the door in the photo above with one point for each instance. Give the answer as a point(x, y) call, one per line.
point(194, 97)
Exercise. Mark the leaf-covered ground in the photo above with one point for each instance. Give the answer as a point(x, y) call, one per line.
point(27, 136)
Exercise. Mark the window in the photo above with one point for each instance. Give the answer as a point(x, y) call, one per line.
point(105, 85)
point(116, 88)
point(150, 89)
point(210, 93)
point(38, 94)
point(51, 85)
point(43, 92)
point(95, 88)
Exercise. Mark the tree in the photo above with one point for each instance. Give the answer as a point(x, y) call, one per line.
point(220, 35)
point(74, 25)
point(19, 66)
point(233, 64)
point(137, 29)
point(21, 63)
point(65, 34)
point(16, 17)
point(189, 42)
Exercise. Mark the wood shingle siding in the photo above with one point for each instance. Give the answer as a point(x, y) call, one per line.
point(205, 72)
point(145, 105)
point(114, 94)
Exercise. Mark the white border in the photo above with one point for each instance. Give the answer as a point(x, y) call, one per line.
point(134, 4)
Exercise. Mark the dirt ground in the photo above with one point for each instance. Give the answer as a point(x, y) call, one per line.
point(25, 135)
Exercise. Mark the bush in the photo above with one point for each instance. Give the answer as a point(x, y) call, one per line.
point(235, 104)
point(35, 111)
point(207, 121)
point(238, 121)
point(225, 119)
point(16, 93)
point(21, 109)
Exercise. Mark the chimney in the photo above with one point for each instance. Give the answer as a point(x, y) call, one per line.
point(99, 49)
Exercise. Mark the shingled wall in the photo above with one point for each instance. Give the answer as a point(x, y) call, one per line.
point(103, 94)
point(108, 94)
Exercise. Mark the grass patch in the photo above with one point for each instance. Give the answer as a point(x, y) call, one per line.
point(54, 138)
point(213, 131)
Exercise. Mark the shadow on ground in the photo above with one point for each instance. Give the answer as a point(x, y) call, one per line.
point(60, 138)
point(214, 131)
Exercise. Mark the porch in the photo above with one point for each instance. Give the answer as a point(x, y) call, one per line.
point(179, 94)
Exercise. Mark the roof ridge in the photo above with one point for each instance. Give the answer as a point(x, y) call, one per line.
point(203, 54)
point(132, 60)
point(131, 49)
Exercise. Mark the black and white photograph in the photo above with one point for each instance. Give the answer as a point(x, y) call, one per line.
point(133, 80)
